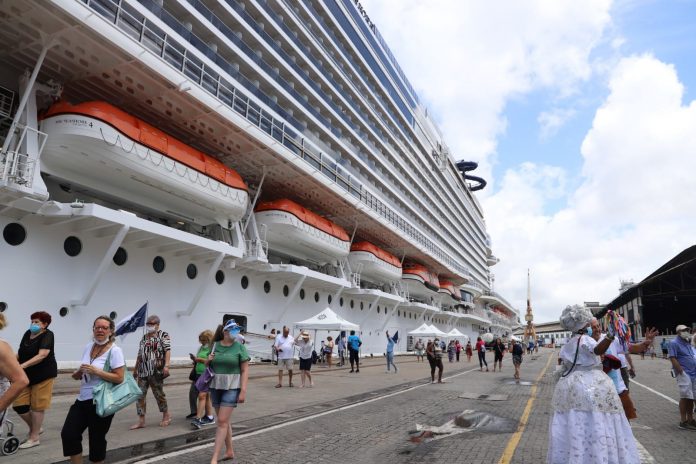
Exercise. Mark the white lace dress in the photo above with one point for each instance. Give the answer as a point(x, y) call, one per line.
point(588, 425)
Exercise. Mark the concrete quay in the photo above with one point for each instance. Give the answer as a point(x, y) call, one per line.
point(369, 417)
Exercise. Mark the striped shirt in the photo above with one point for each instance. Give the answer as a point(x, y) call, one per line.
point(151, 353)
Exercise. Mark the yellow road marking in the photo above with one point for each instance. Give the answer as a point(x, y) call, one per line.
point(506, 458)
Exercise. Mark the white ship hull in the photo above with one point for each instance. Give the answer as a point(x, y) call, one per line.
point(287, 235)
point(93, 154)
point(372, 268)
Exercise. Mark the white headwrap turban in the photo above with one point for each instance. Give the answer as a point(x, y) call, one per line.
point(575, 318)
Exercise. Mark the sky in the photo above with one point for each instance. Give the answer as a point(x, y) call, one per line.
point(582, 117)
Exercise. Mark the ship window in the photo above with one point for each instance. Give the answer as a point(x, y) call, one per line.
point(158, 264)
point(113, 315)
point(191, 271)
point(361, 306)
point(352, 304)
point(302, 294)
point(340, 302)
point(219, 277)
point(329, 299)
point(286, 290)
point(63, 311)
point(14, 234)
point(316, 297)
point(120, 257)
point(377, 309)
point(398, 313)
point(267, 286)
point(72, 246)
point(3, 306)
point(245, 282)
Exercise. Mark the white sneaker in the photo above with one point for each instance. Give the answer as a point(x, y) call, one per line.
point(29, 444)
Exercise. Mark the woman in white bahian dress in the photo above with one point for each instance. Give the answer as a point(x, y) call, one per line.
point(588, 425)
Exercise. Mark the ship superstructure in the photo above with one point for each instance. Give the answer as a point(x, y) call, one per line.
point(222, 158)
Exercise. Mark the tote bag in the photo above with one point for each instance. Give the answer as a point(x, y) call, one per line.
point(110, 398)
point(203, 382)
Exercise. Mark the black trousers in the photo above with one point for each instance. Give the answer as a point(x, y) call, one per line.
point(354, 359)
point(482, 359)
point(83, 415)
point(193, 398)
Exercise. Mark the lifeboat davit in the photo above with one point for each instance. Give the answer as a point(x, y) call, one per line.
point(419, 281)
point(449, 291)
point(295, 231)
point(373, 263)
point(106, 150)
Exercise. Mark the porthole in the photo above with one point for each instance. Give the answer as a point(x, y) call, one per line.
point(158, 264)
point(191, 271)
point(245, 282)
point(286, 290)
point(3, 306)
point(316, 297)
point(329, 299)
point(352, 304)
point(361, 306)
point(63, 311)
point(14, 234)
point(340, 302)
point(113, 315)
point(302, 294)
point(219, 277)
point(120, 257)
point(377, 309)
point(72, 246)
point(267, 287)
point(398, 313)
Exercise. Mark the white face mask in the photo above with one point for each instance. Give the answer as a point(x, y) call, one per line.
point(101, 342)
point(150, 328)
point(685, 335)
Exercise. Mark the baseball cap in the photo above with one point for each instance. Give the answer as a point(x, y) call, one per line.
point(681, 327)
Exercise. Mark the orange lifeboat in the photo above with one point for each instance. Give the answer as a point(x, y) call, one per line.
point(447, 288)
point(107, 150)
point(373, 263)
point(295, 231)
point(420, 281)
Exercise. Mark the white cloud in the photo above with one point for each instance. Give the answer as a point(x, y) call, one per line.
point(634, 209)
point(551, 121)
point(468, 58)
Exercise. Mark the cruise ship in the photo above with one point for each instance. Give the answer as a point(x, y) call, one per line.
point(261, 160)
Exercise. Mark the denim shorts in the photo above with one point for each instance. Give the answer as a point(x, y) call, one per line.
point(224, 397)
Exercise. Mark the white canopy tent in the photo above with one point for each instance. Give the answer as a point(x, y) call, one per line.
point(454, 333)
point(326, 320)
point(435, 332)
point(424, 331)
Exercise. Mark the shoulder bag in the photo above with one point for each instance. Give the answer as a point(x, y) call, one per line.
point(203, 382)
point(110, 397)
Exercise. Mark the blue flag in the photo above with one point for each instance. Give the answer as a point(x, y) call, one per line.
point(132, 322)
point(396, 337)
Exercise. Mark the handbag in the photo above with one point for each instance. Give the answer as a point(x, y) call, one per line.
point(203, 382)
point(110, 398)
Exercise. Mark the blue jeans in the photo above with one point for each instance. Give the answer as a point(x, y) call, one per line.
point(390, 361)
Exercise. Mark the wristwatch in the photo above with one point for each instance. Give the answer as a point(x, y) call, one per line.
point(611, 337)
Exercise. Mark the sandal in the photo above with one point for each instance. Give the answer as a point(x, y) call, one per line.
point(278, 386)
